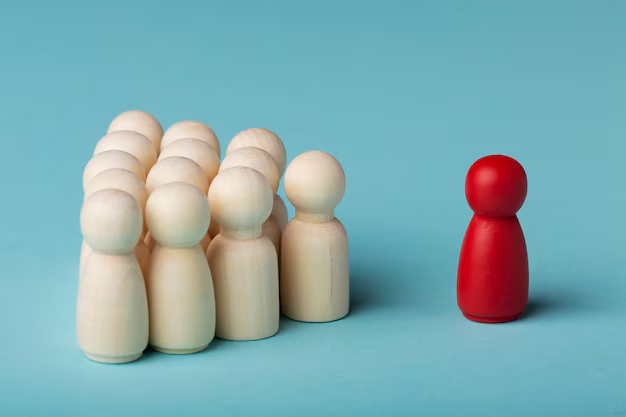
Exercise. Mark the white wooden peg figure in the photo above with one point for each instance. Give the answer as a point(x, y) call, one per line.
point(204, 155)
point(112, 309)
point(112, 159)
point(191, 129)
point(140, 122)
point(261, 161)
point(121, 179)
point(243, 262)
point(180, 286)
point(272, 144)
point(134, 143)
point(314, 275)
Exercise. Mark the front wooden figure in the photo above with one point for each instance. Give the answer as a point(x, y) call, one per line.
point(112, 310)
point(179, 284)
point(315, 276)
point(244, 263)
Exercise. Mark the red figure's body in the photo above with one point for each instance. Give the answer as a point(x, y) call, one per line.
point(492, 281)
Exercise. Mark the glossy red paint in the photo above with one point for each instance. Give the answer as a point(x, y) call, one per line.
point(492, 280)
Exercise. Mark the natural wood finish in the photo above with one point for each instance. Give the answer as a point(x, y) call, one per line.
point(141, 122)
point(191, 129)
point(244, 263)
point(112, 159)
point(134, 143)
point(112, 309)
point(180, 286)
point(315, 276)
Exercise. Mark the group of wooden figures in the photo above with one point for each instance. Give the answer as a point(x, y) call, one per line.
point(180, 247)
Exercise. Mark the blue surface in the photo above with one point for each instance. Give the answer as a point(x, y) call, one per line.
point(406, 96)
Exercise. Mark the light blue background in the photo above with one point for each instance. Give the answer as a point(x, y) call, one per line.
point(406, 95)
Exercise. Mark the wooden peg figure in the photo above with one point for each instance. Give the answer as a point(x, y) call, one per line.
point(134, 143)
point(180, 286)
point(121, 179)
point(262, 162)
point(272, 144)
point(314, 276)
point(244, 263)
point(140, 122)
point(112, 308)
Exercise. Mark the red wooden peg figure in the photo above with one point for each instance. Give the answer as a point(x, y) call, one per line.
point(492, 280)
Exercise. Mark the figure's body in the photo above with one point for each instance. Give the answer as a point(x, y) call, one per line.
point(492, 281)
point(112, 309)
point(244, 263)
point(315, 275)
point(180, 286)
point(272, 144)
point(279, 212)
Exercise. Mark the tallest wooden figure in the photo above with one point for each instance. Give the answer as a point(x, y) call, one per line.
point(492, 281)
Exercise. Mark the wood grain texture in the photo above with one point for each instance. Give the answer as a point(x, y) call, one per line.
point(112, 308)
point(179, 285)
point(244, 263)
point(314, 273)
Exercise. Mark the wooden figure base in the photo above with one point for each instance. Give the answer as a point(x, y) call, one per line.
point(330, 320)
point(112, 359)
point(492, 320)
point(243, 339)
point(180, 351)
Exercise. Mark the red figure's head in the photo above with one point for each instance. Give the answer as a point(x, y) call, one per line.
point(496, 186)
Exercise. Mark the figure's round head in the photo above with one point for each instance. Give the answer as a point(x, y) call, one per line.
point(111, 221)
point(315, 182)
point(191, 129)
point(264, 139)
point(112, 159)
point(120, 179)
point(177, 215)
point(255, 158)
point(496, 186)
point(177, 169)
point(240, 198)
point(198, 151)
point(141, 122)
point(134, 143)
